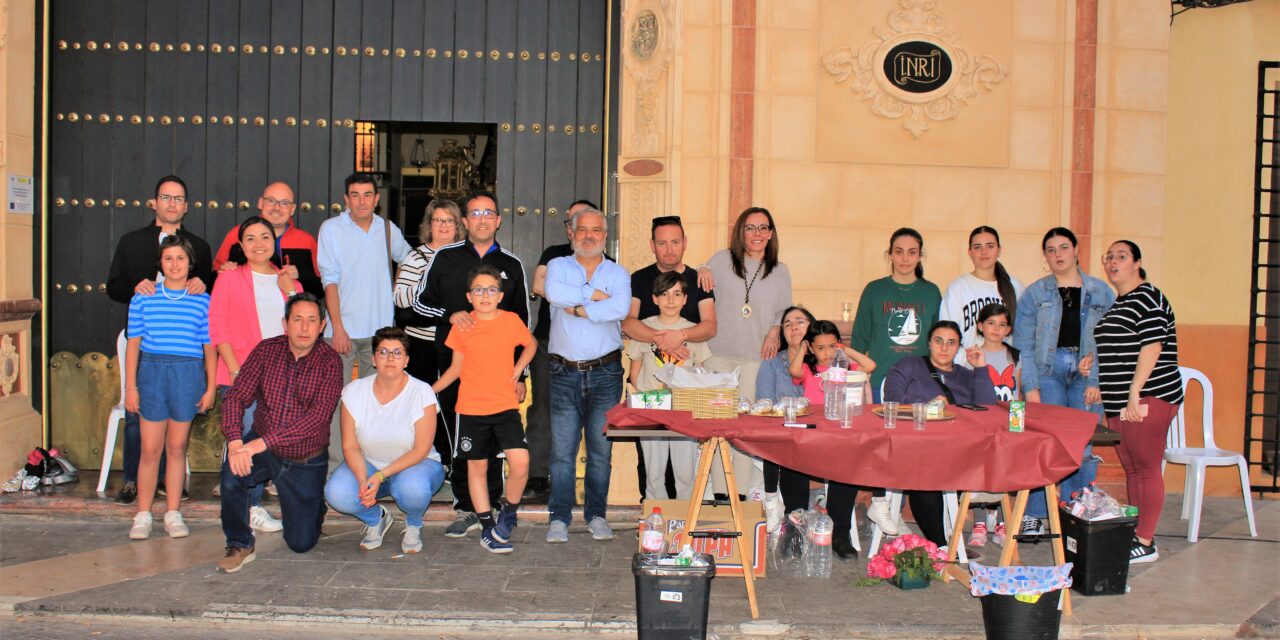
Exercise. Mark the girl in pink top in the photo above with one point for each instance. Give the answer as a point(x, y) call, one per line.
point(815, 354)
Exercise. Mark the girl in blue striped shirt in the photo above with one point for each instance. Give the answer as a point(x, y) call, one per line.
point(170, 368)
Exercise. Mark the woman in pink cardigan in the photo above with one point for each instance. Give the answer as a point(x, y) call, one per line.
point(247, 306)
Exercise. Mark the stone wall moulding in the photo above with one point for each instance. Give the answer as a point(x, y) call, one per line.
point(915, 69)
point(641, 202)
point(650, 34)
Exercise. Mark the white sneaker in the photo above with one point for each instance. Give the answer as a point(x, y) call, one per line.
point(141, 528)
point(600, 529)
point(262, 521)
point(175, 526)
point(878, 513)
point(412, 541)
point(773, 511)
point(373, 535)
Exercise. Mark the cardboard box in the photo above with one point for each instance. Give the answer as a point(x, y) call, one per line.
point(717, 519)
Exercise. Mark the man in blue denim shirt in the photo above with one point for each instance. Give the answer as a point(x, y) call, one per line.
point(1053, 342)
point(589, 296)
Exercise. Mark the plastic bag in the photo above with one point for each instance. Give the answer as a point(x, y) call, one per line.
point(1094, 504)
point(1018, 580)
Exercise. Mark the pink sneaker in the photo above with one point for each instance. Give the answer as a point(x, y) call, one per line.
point(979, 536)
point(998, 535)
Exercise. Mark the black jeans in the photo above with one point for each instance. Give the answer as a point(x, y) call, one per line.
point(926, 506)
point(423, 365)
point(446, 400)
point(301, 494)
point(537, 430)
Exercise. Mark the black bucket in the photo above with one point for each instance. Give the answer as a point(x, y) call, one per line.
point(1007, 618)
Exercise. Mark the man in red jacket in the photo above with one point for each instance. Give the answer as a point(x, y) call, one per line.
point(295, 248)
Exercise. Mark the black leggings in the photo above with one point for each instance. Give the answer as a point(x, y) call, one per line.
point(926, 506)
point(793, 484)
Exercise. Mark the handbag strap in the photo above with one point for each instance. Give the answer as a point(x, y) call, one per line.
point(386, 225)
point(937, 377)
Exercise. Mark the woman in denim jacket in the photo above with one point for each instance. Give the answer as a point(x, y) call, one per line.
point(1052, 343)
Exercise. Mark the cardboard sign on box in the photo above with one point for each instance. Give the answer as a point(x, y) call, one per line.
point(717, 519)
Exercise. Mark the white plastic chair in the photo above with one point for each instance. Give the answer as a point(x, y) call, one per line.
point(116, 417)
point(1197, 459)
point(950, 505)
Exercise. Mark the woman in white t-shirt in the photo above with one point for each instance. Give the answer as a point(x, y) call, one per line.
point(988, 283)
point(388, 425)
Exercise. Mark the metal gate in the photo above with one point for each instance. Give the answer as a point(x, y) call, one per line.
point(233, 95)
point(1262, 391)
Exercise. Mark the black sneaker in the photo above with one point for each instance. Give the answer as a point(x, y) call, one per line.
point(128, 493)
point(1032, 526)
point(1140, 553)
point(160, 491)
point(537, 490)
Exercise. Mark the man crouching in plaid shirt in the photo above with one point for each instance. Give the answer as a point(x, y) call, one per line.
point(296, 381)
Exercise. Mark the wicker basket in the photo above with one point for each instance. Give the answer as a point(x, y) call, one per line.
point(719, 403)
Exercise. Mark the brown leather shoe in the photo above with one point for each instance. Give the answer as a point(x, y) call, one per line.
point(234, 558)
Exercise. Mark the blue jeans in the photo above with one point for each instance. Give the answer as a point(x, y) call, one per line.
point(255, 493)
point(412, 489)
point(301, 487)
point(1065, 387)
point(579, 400)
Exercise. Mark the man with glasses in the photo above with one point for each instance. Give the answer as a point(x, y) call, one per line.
point(133, 270)
point(538, 414)
point(355, 253)
point(667, 242)
point(589, 296)
point(444, 301)
point(295, 252)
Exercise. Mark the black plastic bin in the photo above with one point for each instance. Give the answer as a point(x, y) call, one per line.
point(1007, 618)
point(1099, 552)
point(672, 602)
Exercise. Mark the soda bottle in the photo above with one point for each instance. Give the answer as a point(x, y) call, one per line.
point(651, 539)
point(818, 558)
point(833, 389)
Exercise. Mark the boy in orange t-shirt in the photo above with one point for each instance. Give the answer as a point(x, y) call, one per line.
point(488, 408)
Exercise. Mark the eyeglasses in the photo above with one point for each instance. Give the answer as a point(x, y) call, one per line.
point(164, 197)
point(941, 342)
point(389, 354)
point(272, 202)
point(485, 291)
point(757, 228)
point(662, 221)
point(444, 222)
point(798, 322)
point(1115, 257)
point(482, 213)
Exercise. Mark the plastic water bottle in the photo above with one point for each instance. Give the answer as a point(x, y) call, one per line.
point(818, 558)
point(651, 539)
point(833, 389)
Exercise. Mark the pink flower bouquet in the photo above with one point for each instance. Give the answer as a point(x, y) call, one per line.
point(909, 555)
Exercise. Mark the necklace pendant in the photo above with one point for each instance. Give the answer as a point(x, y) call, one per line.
point(746, 311)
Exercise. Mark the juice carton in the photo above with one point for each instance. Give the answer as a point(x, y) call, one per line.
point(1017, 416)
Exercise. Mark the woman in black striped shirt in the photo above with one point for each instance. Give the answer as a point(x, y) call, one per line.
point(1141, 384)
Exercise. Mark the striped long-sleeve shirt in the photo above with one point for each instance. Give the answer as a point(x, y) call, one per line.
point(1138, 318)
point(409, 285)
point(170, 322)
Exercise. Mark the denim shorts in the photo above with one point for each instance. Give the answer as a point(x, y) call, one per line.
point(169, 387)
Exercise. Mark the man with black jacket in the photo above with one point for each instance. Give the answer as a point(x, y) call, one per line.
point(444, 302)
point(133, 270)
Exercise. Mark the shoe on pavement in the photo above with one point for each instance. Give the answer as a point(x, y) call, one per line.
point(1141, 553)
point(217, 490)
point(175, 526)
point(141, 528)
point(492, 544)
point(558, 532)
point(536, 490)
point(373, 535)
point(505, 526)
point(878, 513)
point(979, 536)
point(261, 520)
point(128, 493)
point(412, 540)
point(842, 545)
point(162, 492)
point(997, 536)
point(773, 511)
point(465, 523)
point(1032, 526)
point(600, 529)
point(235, 558)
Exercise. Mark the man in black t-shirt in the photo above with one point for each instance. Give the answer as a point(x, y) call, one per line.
point(667, 241)
point(538, 416)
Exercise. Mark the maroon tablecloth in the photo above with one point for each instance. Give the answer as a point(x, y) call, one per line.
point(975, 451)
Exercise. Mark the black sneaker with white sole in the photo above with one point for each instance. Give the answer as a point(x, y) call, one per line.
point(1140, 553)
point(1032, 526)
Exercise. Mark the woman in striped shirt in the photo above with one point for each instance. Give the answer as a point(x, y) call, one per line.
point(1140, 382)
point(441, 226)
point(170, 374)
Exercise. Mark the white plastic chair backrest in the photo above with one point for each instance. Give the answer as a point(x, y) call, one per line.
point(122, 345)
point(1178, 430)
point(882, 381)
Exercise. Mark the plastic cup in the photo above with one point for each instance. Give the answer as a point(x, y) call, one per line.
point(789, 409)
point(918, 415)
point(890, 415)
